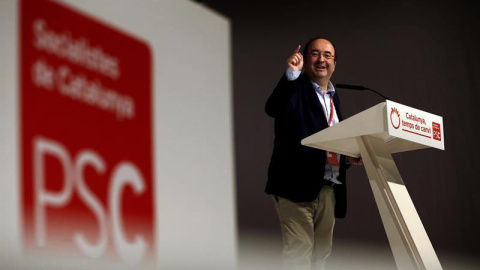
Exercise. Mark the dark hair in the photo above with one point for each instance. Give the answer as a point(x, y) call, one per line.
point(305, 48)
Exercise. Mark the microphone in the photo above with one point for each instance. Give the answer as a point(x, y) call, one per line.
point(358, 88)
point(352, 87)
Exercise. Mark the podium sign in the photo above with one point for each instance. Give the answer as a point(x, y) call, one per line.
point(415, 125)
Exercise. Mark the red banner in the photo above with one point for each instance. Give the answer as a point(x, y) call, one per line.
point(86, 137)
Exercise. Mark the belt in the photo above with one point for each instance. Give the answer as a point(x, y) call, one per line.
point(328, 183)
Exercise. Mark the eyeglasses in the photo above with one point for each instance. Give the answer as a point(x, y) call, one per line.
point(326, 55)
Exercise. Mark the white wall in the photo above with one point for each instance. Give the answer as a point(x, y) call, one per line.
point(193, 145)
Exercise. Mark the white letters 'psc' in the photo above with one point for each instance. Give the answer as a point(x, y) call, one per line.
point(125, 173)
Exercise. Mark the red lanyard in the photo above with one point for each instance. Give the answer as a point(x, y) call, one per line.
point(330, 122)
point(331, 156)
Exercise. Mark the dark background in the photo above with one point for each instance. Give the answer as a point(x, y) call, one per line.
point(422, 54)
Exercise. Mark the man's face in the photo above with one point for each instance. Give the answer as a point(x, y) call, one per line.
point(318, 67)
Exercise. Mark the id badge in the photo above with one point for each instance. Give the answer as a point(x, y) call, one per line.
point(332, 159)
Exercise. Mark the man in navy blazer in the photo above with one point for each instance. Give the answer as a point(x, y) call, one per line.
point(307, 185)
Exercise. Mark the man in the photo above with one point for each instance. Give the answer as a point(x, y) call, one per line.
point(308, 185)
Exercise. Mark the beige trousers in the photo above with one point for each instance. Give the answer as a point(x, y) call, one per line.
point(307, 230)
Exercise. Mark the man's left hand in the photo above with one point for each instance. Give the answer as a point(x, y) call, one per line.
point(355, 161)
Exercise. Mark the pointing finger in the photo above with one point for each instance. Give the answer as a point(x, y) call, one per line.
point(297, 49)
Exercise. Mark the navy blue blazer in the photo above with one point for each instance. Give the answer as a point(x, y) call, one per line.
point(296, 171)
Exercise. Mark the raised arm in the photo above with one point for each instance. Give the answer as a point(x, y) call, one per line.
point(280, 100)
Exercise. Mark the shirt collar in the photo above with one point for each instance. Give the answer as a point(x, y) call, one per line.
point(318, 88)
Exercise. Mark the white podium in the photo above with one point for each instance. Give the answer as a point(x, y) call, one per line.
point(375, 134)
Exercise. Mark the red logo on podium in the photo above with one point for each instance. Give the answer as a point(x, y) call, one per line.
point(437, 135)
point(395, 118)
